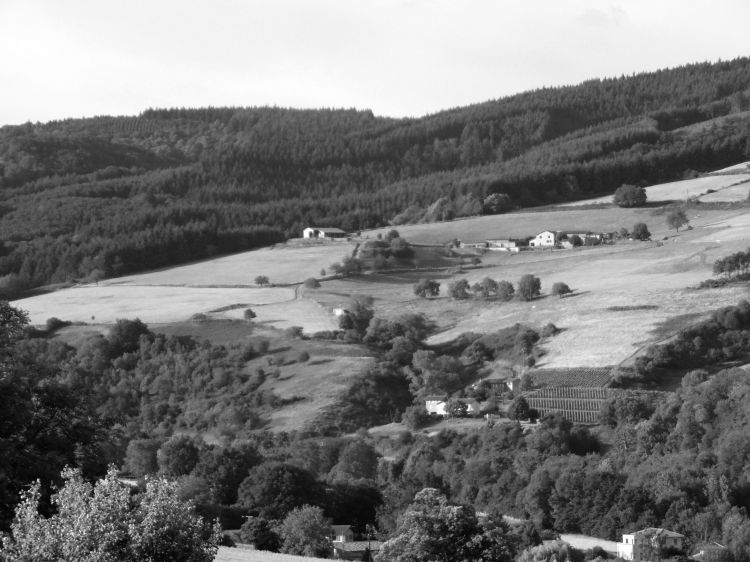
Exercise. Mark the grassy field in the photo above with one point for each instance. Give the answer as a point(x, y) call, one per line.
point(227, 554)
point(647, 283)
point(626, 295)
point(282, 264)
point(696, 187)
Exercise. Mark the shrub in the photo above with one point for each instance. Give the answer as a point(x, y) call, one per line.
point(312, 283)
point(249, 314)
point(294, 332)
point(303, 357)
point(262, 280)
point(560, 289)
point(54, 324)
point(415, 417)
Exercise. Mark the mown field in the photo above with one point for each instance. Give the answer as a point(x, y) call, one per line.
point(625, 295)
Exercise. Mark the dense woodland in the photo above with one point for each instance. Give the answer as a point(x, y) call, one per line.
point(88, 198)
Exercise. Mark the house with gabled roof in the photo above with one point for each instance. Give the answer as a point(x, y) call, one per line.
point(318, 232)
point(650, 545)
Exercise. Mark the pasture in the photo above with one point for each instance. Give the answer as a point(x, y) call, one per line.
point(246, 554)
point(282, 264)
point(731, 187)
point(624, 294)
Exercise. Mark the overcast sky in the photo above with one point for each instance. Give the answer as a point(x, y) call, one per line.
point(75, 58)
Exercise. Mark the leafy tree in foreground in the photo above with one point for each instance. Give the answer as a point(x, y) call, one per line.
point(676, 219)
point(629, 196)
point(561, 289)
point(640, 231)
point(306, 532)
point(529, 287)
point(427, 288)
point(431, 529)
point(103, 522)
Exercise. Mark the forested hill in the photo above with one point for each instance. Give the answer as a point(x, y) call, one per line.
point(85, 198)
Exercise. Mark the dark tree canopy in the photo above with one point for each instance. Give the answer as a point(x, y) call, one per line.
point(629, 196)
point(640, 231)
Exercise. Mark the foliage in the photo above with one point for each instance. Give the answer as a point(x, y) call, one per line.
point(676, 218)
point(427, 288)
point(260, 533)
point(432, 529)
point(734, 264)
point(306, 532)
point(249, 314)
point(505, 290)
point(415, 417)
point(261, 280)
point(103, 522)
point(560, 289)
point(311, 283)
point(529, 287)
point(629, 196)
point(459, 289)
point(556, 551)
point(486, 287)
point(272, 489)
point(640, 231)
point(519, 409)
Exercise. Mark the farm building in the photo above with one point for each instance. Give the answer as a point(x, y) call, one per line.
point(546, 239)
point(506, 244)
point(438, 405)
point(650, 544)
point(474, 245)
point(315, 232)
point(342, 533)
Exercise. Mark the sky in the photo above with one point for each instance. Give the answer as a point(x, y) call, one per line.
point(80, 58)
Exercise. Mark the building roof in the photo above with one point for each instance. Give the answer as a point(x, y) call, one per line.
point(657, 531)
point(329, 230)
point(357, 546)
point(341, 527)
point(435, 398)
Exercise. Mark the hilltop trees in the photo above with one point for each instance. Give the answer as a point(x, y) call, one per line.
point(629, 196)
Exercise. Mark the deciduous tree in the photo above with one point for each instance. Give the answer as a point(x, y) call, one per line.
point(529, 287)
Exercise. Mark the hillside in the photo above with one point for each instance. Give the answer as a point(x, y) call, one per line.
point(107, 196)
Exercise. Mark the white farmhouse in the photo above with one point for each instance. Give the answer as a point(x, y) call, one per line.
point(650, 544)
point(315, 232)
point(546, 239)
